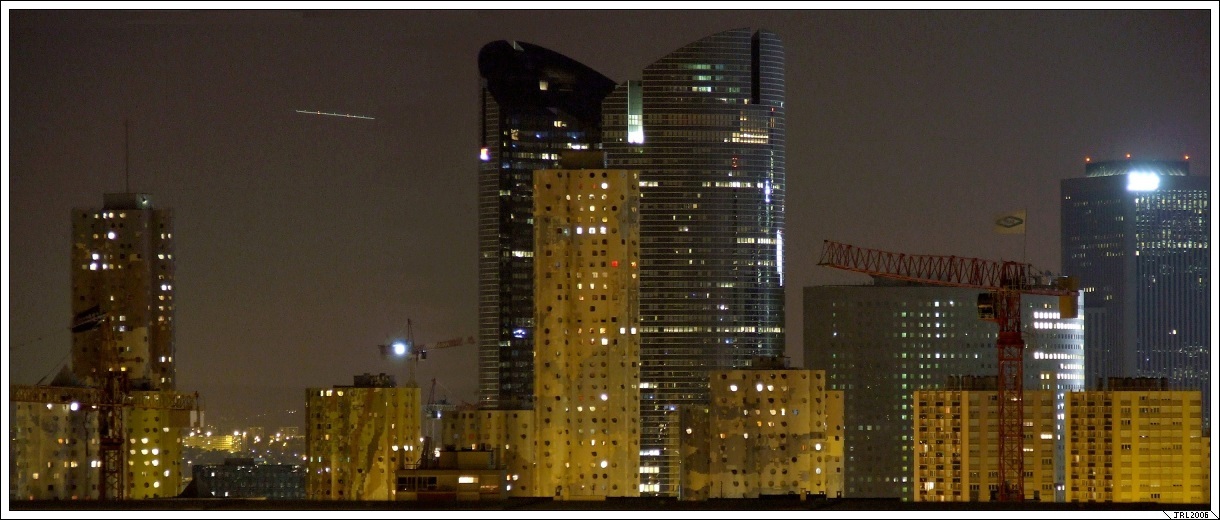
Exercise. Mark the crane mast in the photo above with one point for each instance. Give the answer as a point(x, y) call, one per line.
point(1004, 283)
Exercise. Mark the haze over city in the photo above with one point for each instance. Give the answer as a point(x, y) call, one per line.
point(305, 240)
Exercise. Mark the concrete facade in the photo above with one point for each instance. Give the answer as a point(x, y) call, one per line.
point(1128, 444)
point(764, 432)
point(956, 444)
point(508, 434)
point(358, 437)
point(587, 350)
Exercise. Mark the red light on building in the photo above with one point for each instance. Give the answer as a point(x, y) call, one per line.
point(614, 263)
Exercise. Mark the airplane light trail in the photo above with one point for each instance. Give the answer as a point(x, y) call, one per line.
point(315, 112)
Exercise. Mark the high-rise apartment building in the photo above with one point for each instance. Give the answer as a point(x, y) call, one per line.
point(53, 443)
point(769, 430)
point(535, 105)
point(704, 126)
point(358, 437)
point(1135, 441)
point(122, 272)
point(123, 291)
point(1136, 234)
point(956, 443)
point(587, 370)
point(880, 343)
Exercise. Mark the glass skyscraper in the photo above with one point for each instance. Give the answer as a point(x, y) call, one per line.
point(536, 104)
point(705, 128)
point(1136, 234)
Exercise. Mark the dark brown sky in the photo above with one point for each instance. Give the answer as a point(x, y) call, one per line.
point(304, 241)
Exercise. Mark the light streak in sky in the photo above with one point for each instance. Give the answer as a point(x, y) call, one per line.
point(315, 112)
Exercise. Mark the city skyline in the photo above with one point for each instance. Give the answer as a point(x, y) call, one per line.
point(315, 239)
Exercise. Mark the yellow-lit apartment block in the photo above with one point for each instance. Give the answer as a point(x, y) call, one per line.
point(765, 431)
point(956, 443)
point(508, 434)
point(586, 346)
point(155, 422)
point(359, 436)
point(1137, 442)
point(54, 442)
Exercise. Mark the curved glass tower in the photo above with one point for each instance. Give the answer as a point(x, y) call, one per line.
point(705, 128)
point(536, 104)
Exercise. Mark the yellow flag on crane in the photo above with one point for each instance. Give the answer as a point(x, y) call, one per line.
point(1011, 223)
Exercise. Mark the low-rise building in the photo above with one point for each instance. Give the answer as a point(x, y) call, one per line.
point(465, 475)
point(248, 477)
point(507, 434)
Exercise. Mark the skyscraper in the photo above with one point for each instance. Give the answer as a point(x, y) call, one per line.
point(123, 270)
point(536, 104)
point(705, 128)
point(881, 343)
point(1136, 234)
point(587, 393)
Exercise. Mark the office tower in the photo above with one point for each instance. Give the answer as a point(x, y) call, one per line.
point(768, 430)
point(587, 373)
point(536, 104)
point(359, 436)
point(880, 343)
point(1136, 234)
point(123, 292)
point(704, 125)
point(957, 458)
point(1137, 441)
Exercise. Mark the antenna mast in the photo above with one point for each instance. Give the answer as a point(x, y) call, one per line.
point(126, 157)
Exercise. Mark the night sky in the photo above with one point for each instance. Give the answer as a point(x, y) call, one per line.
point(304, 241)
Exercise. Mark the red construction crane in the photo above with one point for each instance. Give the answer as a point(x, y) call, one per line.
point(1004, 282)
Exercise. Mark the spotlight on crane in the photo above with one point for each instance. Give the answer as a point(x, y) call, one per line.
point(399, 348)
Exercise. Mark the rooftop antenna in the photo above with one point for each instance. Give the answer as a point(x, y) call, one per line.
point(126, 157)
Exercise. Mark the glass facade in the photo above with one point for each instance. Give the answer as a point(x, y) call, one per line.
point(1136, 234)
point(881, 343)
point(536, 104)
point(705, 128)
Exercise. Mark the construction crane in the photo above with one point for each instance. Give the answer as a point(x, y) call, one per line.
point(408, 348)
point(109, 394)
point(112, 397)
point(426, 460)
point(1003, 282)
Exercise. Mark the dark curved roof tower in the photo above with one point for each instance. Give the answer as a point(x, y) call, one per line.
point(705, 127)
point(536, 104)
